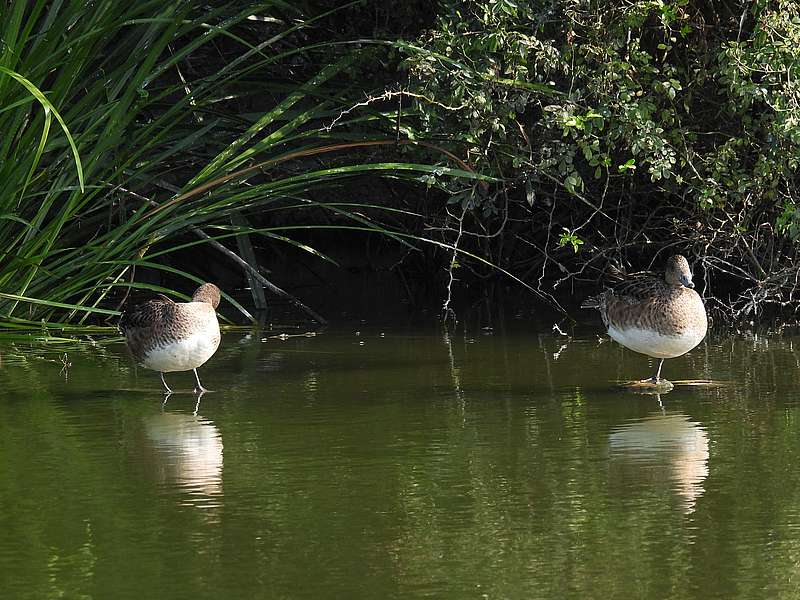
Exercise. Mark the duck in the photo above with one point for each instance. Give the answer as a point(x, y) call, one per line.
point(168, 336)
point(661, 317)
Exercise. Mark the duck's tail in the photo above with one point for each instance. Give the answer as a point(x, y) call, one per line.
point(591, 302)
point(613, 273)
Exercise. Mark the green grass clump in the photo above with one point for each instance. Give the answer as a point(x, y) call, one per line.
point(128, 126)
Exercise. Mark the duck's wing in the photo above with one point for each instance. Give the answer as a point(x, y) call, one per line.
point(634, 288)
point(154, 314)
point(631, 288)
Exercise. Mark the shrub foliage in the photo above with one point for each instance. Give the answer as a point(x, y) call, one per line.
point(622, 131)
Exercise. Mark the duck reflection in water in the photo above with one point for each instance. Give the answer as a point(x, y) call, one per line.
point(187, 452)
point(661, 447)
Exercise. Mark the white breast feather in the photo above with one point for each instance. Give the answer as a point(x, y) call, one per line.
point(187, 353)
point(655, 344)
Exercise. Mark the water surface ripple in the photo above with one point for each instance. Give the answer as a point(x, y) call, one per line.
point(402, 465)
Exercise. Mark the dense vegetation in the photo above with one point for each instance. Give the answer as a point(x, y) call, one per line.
point(626, 131)
point(135, 130)
point(546, 139)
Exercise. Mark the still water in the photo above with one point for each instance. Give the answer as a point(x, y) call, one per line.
point(402, 465)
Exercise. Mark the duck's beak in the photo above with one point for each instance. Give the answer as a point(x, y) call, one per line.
point(686, 280)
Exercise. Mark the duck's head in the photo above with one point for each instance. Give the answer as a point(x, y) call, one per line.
point(207, 292)
point(678, 272)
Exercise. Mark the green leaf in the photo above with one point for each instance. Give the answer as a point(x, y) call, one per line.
point(49, 108)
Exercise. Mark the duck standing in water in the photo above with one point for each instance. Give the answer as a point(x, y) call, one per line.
point(662, 318)
point(169, 336)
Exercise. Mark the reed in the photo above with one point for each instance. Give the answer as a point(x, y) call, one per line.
point(120, 141)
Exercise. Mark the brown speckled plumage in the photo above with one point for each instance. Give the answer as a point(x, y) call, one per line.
point(665, 309)
point(161, 325)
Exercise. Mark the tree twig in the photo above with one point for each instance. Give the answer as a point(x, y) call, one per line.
point(247, 267)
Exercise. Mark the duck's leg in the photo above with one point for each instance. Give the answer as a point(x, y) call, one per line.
point(166, 387)
point(199, 389)
point(657, 376)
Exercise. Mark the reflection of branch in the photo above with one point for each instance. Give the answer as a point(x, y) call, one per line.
point(65, 366)
point(454, 375)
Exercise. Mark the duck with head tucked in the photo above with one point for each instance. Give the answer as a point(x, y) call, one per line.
point(169, 336)
point(660, 317)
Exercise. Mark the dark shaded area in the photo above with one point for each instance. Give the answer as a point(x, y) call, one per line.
point(459, 155)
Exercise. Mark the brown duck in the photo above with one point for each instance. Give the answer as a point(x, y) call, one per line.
point(169, 336)
point(660, 317)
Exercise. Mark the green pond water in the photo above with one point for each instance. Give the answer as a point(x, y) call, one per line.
point(402, 464)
